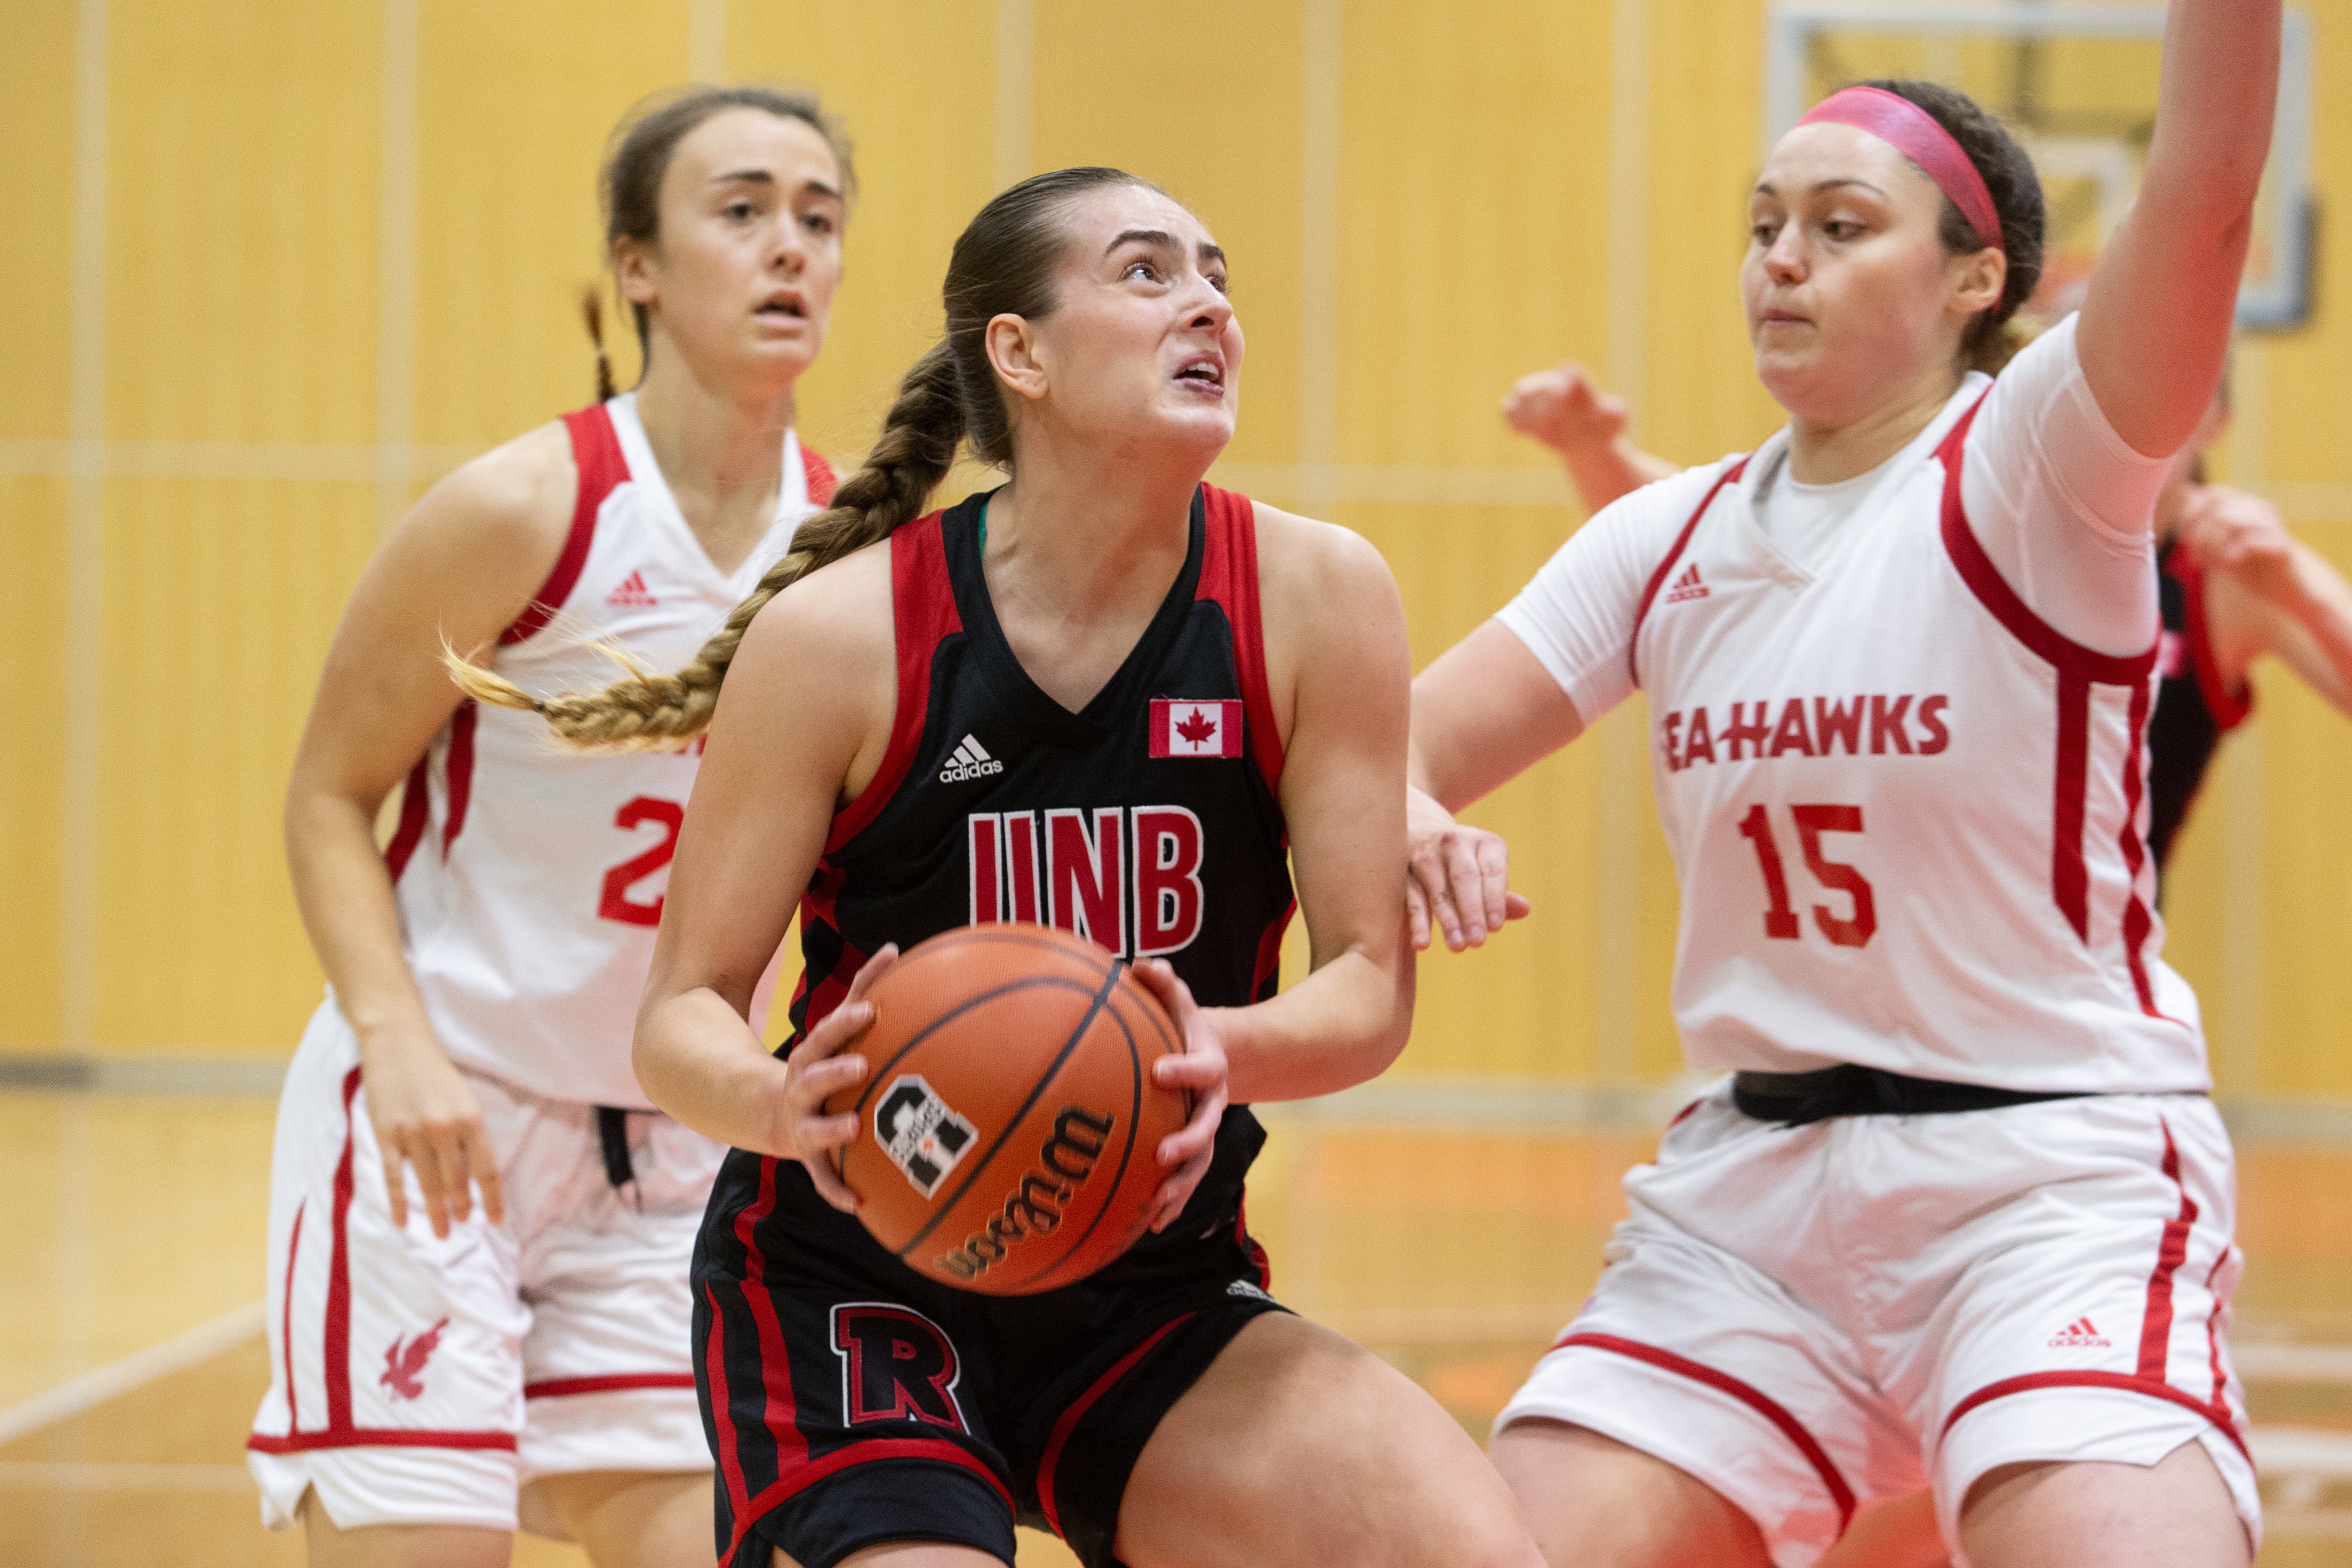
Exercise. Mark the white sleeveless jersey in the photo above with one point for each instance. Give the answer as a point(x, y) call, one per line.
point(1907, 814)
point(530, 879)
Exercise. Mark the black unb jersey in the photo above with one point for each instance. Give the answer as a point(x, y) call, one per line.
point(1146, 821)
point(2194, 707)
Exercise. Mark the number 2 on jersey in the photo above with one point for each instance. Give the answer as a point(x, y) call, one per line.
point(616, 903)
point(1779, 918)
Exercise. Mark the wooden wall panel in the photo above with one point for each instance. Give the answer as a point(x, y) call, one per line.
point(32, 778)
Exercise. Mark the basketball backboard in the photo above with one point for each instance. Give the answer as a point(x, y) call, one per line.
point(2077, 82)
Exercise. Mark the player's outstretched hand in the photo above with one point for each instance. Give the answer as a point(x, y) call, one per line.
point(1564, 409)
point(2242, 535)
point(1185, 1155)
point(425, 1118)
point(821, 1065)
point(1457, 878)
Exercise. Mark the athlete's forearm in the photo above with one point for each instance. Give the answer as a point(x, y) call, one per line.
point(2324, 609)
point(1604, 472)
point(343, 889)
point(702, 1063)
point(1340, 1026)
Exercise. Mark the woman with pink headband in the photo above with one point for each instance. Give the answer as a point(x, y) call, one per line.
point(1960, 1214)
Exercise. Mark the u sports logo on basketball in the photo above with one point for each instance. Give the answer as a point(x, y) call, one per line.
point(895, 1365)
point(1127, 879)
point(920, 1132)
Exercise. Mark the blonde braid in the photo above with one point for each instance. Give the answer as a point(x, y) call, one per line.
point(649, 711)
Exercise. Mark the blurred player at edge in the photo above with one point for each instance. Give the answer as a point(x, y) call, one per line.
point(1962, 1215)
point(2235, 584)
point(443, 1359)
point(1163, 1411)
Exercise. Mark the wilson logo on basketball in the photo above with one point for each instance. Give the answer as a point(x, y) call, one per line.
point(922, 1132)
point(1126, 880)
point(1033, 1207)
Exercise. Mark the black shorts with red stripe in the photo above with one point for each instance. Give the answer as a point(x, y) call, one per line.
point(852, 1401)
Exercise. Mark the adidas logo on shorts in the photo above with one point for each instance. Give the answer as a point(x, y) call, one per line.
point(1244, 1289)
point(970, 760)
point(2080, 1335)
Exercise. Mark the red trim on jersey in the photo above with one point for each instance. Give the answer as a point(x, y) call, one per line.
point(1269, 950)
point(2079, 669)
point(377, 1438)
point(820, 480)
point(2229, 707)
point(2155, 1334)
point(730, 1457)
point(2070, 877)
point(335, 1343)
point(1984, 580)
point(1078, 1407)
point(1658, 579)
point(1229, 575)
point(2121, 1381)
point(597, 452)
point(2172, 1250)
point(416, 810)
point(2137, 923)
point(922, 601)
point(1763, 1405)
point(461, 772)
point(2214, 1334)
point(1249, 1245)
point(608, 1383)
point(286, 1316)
point(796, 1471)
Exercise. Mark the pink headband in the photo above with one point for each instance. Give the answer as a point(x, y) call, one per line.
point(1913, 131)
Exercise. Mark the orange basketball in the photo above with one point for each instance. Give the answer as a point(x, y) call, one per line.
point(1008, 1133)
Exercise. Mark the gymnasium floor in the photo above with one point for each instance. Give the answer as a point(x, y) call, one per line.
point(136, 1222)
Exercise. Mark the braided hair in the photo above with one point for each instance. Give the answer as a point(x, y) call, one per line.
point(1004, 264)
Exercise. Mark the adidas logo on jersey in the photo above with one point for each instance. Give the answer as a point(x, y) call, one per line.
point(970, 760)
point(1686, 586)
point(2080, 1335)
point(632, 593)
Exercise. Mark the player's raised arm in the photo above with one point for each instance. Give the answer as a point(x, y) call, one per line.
point(2156, 323)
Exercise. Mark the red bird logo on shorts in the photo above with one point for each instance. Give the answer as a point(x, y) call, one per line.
point(403, 1369)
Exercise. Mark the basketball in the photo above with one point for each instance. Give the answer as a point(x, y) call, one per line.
point(1007, 1132)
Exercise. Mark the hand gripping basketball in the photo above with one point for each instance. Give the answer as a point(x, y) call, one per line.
point(817, 1067)
point(1185, 1155)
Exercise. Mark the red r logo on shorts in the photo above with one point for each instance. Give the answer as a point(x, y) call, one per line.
point(895, 1365)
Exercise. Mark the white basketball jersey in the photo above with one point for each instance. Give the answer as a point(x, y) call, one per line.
point(1907, 813)
point(530, 878)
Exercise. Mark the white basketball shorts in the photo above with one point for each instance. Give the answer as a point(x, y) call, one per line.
point(1810, 1319)
point(424, 1381)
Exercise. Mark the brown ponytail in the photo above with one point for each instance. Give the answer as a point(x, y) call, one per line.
point(654, 712)
point(592, 310)
point(1004, 264)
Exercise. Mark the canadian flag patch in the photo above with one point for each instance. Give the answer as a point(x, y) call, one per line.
point(1181, 728)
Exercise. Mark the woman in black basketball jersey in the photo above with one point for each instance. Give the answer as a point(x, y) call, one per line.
point(938, 719)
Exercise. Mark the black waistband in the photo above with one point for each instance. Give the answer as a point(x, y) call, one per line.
point(1794, 1099)
point(613, 1131)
